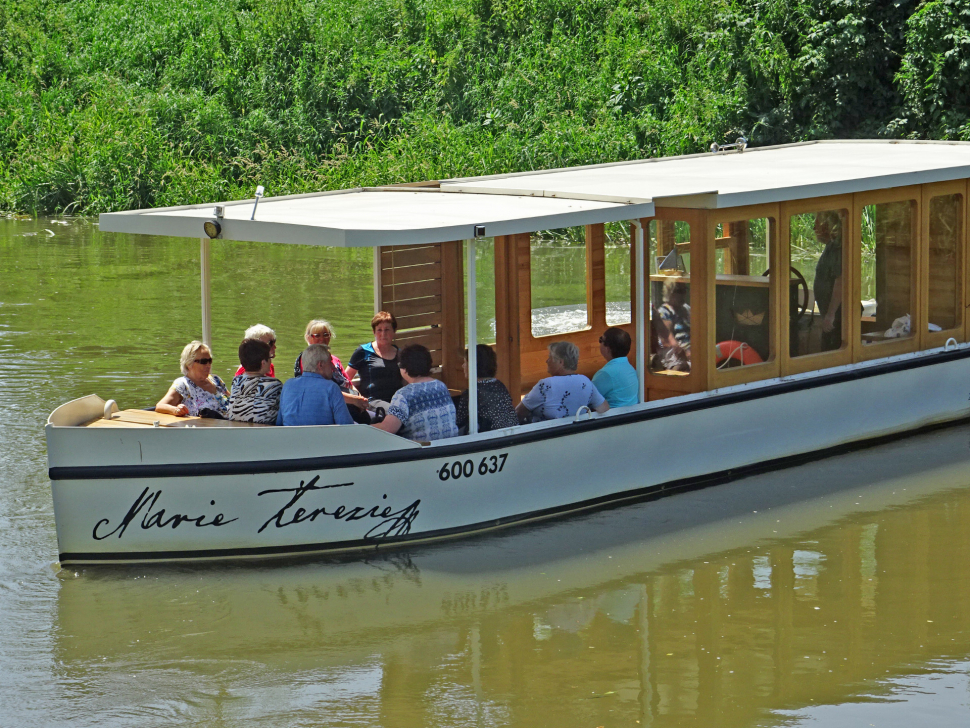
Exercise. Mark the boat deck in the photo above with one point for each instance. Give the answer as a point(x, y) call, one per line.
point(146, 418)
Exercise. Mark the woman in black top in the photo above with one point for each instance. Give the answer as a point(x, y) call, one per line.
point(376, 362)
point(495, 410)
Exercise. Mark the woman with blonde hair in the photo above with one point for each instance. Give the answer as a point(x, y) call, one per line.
point(319, 331)
point(198, 392)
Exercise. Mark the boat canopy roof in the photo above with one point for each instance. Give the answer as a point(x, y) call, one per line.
point(529, 201)
point(733, 179)
point(375, 217)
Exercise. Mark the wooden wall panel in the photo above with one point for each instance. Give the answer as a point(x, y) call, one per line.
point(422, 286)
point(596, 278)
point(453, 315)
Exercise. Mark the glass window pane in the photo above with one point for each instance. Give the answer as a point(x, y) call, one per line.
point(888, 235)
point(742, 330)
point(946, 232)
point(559, 281)
point(669, 253)
point(618, 291)
point(816, 295)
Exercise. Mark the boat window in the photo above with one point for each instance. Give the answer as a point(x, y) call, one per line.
point(742, 300)
point(669, 254)
point(946, 234)
point(618, 274)
point(559, 302)
point(484, 287)
point(816, 295)
point(888, 237)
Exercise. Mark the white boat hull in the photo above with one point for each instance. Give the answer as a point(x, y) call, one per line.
point(168, 494)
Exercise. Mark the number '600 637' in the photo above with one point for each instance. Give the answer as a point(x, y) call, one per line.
point(467, 468)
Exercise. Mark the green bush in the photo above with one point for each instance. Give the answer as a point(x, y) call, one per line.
point(114, 104)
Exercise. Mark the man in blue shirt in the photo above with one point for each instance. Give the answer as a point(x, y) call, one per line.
point(617, 381)
point(313, 399)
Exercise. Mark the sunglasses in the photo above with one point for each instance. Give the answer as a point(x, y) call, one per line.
point(601, 339)
point(203, 362)
point(272, 342)
point(321, 335)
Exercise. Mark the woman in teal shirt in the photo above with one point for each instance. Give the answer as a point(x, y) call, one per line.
point(617, 381)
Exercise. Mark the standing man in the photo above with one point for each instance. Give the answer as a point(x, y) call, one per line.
point(313, 399)
point(617, 381)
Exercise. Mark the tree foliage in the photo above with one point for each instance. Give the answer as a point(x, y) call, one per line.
point(114, 104)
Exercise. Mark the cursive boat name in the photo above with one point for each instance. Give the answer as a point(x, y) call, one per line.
point(392, 522)
point(152, 518)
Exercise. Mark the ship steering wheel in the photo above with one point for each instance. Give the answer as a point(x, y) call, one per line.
point(801, 307)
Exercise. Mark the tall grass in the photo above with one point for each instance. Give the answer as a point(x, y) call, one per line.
point(114, 104)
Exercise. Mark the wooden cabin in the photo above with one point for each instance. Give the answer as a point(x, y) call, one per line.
point(753, 272)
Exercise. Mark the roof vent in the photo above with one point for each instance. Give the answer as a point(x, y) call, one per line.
point(740, 144)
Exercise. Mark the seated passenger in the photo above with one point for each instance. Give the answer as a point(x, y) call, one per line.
point(313, 399)
point(198, 392)
point(255, 396)
point(563, 392)
point(422, 409)
point(267, 335)
point(377, 362)
point(617, 381)
point(674, 327)
point(495, 410)
point(319, 331)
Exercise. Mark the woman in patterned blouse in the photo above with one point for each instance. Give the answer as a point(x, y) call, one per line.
point(422, 409)
point(563, 392)
point(255, 396)
point(198, 390)
point(495, 410)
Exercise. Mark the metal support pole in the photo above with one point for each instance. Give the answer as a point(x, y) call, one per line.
point(641, 315)
point(472, 343)
point(206, 271)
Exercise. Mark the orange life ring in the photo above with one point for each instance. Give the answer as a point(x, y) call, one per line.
point(737, 350)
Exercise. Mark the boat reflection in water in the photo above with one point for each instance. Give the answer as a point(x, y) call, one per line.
point(750, 602)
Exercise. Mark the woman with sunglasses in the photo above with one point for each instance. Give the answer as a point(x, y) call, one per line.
point(319, 331)
point(198, 391)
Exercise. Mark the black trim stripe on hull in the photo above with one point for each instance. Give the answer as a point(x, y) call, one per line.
point(652, 492)
point(258, 467)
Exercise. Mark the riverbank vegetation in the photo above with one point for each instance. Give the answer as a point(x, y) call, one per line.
point(116, 104)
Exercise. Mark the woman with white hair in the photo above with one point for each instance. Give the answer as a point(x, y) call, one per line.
point(564, 391)
point(198, 391)
point(267, 335)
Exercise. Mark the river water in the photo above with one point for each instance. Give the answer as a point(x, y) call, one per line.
point(836, 593)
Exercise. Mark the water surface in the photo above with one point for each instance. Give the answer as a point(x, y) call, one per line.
point(836, 594)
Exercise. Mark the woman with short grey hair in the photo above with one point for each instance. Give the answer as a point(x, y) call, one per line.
point(263, 333)
point(563, 392)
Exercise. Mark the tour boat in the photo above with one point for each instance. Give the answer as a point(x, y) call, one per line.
point(822, 287)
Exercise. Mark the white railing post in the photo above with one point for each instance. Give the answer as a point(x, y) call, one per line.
point(472, 342)
point(206, 274)
point(641, 314)
point(377, 279)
